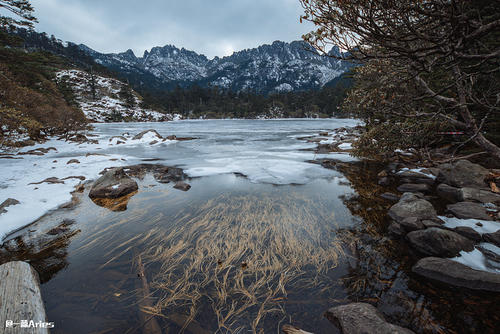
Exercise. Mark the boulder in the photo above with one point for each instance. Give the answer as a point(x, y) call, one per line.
point(438, 242)
point(161, 173)
point(415, 177)
point(168, 174)
point(8, 202)
point(73, 161)
point(463, 173)
point(182, 186)
point(479, 195)
point(414, 188)
point(390, 197)
point(153, 133)
point(449, 193)
point(493, 238)
point(113, 184)
point(411, 224)
point(362, 318)
point(410, 205)
point(468, 210)
point(396, 230)
point(454, 273)
point(432, 223)
point(468, 232)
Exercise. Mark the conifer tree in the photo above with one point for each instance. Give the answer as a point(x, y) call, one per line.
point(22, 10)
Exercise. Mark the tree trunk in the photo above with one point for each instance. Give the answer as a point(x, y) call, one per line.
point(487, 145)
point(469, 120)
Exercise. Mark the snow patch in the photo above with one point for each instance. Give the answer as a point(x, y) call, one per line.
point(487, 226)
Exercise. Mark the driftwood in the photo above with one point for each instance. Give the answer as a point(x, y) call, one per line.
point(460, 158)
point(21, 300)
point(149, 324)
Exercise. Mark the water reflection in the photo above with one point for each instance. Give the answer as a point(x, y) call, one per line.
point(114, 204)
point(47, 252)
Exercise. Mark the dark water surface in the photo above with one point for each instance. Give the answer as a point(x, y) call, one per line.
point(291, 228)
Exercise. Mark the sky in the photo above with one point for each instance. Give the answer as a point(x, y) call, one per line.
point(209, 27)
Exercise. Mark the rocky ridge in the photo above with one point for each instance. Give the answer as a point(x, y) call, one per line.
point(274, 68)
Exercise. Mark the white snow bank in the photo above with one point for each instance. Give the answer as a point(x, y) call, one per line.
point(345, 146)
point(37, 199)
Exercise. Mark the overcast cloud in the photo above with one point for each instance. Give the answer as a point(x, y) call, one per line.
point(210, 27)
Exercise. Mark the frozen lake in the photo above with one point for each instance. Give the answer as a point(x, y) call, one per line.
point(265, 151)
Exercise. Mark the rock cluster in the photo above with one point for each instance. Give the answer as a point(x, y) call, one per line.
point(115, 187)
point(462, 185)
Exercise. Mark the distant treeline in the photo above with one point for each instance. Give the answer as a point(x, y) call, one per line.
point(33, 41)
point(214, 102)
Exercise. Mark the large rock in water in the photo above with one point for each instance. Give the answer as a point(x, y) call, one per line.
point(463, 173)
point(439, 242)
point(468, 210)
point(113, 184)
point(411, 205)
point(452, 272)
point(362, 318)
point(150, 134)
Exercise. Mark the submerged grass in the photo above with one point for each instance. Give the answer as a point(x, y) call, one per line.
point(238, 257)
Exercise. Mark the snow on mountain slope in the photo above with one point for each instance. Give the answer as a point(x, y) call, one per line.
point(269, 68)
point(109, 100)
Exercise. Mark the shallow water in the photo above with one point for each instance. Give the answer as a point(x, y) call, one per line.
point(279, 245)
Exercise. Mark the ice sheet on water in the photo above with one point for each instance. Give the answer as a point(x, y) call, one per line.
point(273, 171)
point(484, 227)
point(265, 151)
point(475, 260)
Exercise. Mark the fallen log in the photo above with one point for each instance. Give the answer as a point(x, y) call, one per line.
point(289, 329)
point(149, 324)
point(21, 305)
